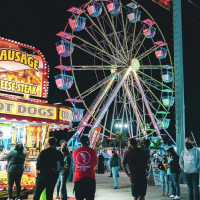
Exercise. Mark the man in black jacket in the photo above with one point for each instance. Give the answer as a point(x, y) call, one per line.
point(49, 163)
point(175, 171)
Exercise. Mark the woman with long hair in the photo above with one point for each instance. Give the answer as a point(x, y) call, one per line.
point(15, 168)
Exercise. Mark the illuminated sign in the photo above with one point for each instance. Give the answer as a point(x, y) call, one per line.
point(65, 114)
point(23, 69)
point(94, 136)
point(27, 109)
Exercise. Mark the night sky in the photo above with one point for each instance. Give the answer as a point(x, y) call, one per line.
point(36, 23)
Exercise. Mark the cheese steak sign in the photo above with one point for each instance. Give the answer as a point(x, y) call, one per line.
point(27, 109)
point(23, 69)
point(65, 114)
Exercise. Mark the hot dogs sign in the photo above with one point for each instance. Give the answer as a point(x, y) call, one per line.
point(23, 69)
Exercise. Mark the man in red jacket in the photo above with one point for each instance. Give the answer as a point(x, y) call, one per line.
point(85, 159)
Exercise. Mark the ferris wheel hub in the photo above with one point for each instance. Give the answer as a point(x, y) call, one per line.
point(135, 64)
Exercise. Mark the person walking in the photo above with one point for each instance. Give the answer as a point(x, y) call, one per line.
point(63, 144)
point(71, 169)
point(163, 175)
point(49, 163)
point(101, 164)
point(64, 173)
point(85, 159)
point(190, 163)
point(114, 165)
point(136, 160)
point(175, 171)
point(15, 168)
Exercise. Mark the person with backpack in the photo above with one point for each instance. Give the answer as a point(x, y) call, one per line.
point(15, 168)
point(114, 165)
point(64, 173)
point(175, 171)
point(190, 163)
point(49, 163)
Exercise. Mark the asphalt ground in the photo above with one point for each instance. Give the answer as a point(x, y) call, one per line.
point(104, 190)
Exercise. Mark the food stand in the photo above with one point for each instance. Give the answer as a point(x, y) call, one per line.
point(24, 118)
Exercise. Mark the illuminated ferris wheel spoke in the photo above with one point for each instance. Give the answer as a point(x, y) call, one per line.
point(114, 31)
point(154, 80)
point(104, 35)
point(154, 67)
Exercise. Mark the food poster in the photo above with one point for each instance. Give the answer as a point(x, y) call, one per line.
point(33, 139)
point(156, 173)
point(22, 70)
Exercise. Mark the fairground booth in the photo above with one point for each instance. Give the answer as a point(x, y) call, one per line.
point(24, 114)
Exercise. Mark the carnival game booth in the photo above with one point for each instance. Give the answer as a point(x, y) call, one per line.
point(29, 123)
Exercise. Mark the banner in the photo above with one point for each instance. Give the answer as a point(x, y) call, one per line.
point(27, 109)
point(156, 173)
point(33, 139)
point(23, 69)
point(94, 136)
point(65, 114)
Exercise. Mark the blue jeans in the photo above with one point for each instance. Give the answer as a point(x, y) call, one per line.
point(164, 181)
point(114, 172)
point(192, 183)
point(175, 188)
point(70, 177)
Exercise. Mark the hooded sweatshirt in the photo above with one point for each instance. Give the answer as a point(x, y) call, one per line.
point(190, 160)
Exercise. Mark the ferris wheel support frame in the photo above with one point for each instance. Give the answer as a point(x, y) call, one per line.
point(95, 103)
point(111, 98)
point(146, 104)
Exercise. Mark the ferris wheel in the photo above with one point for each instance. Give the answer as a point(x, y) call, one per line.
point(130, 64)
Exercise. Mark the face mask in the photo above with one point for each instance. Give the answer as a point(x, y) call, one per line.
point(188, 145)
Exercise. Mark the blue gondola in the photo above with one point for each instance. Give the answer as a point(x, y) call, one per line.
point(133, 14)
point(77, 114)
point(63, 48)
point(165, 123)
point(161, 53)
point(113, 7)
point(64, 82)
point(77, 24)
point(167, 76)
point(149, 33)
point(168, 100)
point(94, 9)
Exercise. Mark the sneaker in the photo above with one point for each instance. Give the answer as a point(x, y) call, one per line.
point(57, 197)
point(115, 187)
point(177, 197)
point(171, 197)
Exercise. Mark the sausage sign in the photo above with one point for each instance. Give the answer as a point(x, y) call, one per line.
point(23, 69)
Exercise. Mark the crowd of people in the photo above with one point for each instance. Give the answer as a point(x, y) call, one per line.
point(61, 166)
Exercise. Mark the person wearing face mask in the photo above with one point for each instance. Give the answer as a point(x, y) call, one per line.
point(190, 163)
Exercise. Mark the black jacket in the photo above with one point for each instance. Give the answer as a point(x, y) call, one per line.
point(114, 161)
point(161, 166)
point(15, 161)
point(48, 161)
point(174, 164)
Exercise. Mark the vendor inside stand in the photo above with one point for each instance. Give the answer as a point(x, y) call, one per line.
point(3, 144)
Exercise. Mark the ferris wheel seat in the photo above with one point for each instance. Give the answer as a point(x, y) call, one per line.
point(113, 7)
point(168, 101)
point(94, 9)
point(164, 123)
point(77, 114)
point(167, 76)
point(77, 24)
point(149, 33)
point(64, 82)
point(161, 53)
point(63, 48)
point(133, 15)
